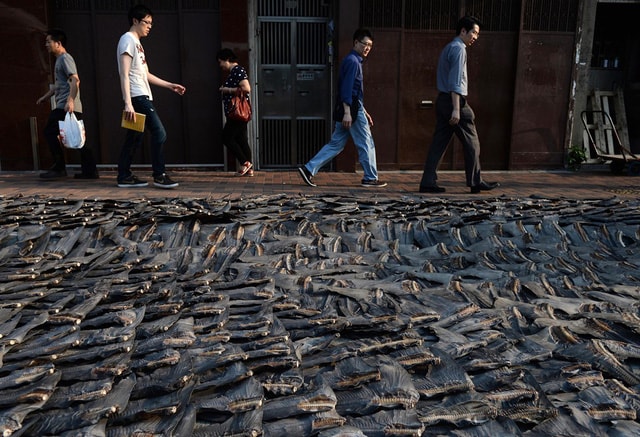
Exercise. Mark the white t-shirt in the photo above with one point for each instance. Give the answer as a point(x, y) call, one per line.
point(138, 81)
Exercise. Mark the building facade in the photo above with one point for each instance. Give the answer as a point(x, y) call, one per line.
point(532, 73)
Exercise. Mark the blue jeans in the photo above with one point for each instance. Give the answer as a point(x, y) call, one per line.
point(361, 135)
point(133, 140)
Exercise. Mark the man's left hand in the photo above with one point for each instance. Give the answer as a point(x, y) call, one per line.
point(369, 119)
point(177, 88)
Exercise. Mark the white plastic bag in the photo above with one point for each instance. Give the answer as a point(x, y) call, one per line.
point(72, 134)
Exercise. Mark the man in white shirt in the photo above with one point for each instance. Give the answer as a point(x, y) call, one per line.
point(135, 78)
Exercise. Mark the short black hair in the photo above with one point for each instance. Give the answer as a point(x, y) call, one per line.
point(226, 55)
point(57, 35)
point(467, 22)
point(362, 33)
point(138, 12)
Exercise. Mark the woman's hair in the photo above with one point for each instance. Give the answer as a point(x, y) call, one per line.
point(226, 55)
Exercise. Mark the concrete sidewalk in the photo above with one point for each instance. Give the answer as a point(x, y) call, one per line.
point(584, 184)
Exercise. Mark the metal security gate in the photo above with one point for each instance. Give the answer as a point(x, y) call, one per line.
point(294, 80)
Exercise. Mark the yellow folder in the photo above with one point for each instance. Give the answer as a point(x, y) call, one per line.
point(138, 125)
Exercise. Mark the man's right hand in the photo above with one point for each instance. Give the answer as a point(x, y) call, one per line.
point(346, 120)
point(455, 117)
point(129, 113)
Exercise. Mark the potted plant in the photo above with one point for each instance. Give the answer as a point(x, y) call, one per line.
point(576, 156)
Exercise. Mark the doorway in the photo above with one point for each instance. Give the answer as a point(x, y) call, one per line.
point(294, 40)
point(615, 60)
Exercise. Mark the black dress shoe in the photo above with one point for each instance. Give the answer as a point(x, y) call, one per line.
point(432, 189)
point(93, 175)
point(484, 186)
point(53, 174)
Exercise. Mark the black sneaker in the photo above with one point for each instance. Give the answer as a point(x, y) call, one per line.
point(307, 177)
point(164, 181)
point(373, 184)
point(132, 181)
point(54, 174)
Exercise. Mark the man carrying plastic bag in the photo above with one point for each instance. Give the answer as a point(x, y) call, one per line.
point(67, 102)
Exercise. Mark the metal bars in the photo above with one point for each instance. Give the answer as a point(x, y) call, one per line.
point(275, 142)
point(275, 43)
point(310, 137)
point(495, 15)
point(311, 39)
point(124, 5)
point(430, 15)
point(381, 13)
point(550, 15)
point(293, 8)
point(436, 15)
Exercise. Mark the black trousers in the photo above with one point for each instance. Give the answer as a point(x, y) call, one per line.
point(235, 137)
point(466, 132)
point(51, 132)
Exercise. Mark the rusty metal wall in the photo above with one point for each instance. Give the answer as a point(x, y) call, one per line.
point(409, 36)
point(506, 75)
point(541, 103)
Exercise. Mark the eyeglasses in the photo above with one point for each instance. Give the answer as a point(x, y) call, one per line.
point(366, 44)
point(148, 23)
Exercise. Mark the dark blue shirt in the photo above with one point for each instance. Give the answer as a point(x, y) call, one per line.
point(350, 78)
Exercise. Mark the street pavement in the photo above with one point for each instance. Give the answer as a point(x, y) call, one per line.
point(596, 183)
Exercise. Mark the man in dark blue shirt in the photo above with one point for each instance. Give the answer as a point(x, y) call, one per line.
point(453, 114)
point(350, 118)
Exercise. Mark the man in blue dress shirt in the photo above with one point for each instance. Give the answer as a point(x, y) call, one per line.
point(453, 113)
